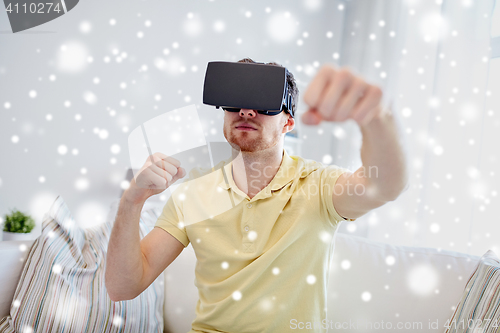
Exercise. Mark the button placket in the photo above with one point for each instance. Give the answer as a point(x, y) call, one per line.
point(248, 213)
point(248, 246)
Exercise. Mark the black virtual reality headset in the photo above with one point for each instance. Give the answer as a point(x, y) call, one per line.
point(237, 85)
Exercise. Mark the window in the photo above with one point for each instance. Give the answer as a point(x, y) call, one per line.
point(495, 31)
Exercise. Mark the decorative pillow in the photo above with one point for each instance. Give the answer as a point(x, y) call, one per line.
point(62, 288)
point(479, 308)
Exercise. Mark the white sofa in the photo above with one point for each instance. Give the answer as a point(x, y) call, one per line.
point(371, 283)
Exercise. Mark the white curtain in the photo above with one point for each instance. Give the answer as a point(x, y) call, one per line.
point(432, 59)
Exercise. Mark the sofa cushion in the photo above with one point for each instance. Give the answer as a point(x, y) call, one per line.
point(61, 288)
point(374, 283)
point(479, 307)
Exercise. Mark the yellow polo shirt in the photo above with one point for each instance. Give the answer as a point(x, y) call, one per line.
point(262, 263)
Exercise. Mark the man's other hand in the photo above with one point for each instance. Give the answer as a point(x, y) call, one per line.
point(337, 94)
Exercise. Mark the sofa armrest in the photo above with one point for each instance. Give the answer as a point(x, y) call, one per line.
point(13, 254)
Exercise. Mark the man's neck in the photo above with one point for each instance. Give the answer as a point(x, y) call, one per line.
point(253, 171)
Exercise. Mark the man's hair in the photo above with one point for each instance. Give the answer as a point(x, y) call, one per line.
point(290, 80)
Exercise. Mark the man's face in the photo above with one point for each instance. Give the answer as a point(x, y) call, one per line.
point(251, 131)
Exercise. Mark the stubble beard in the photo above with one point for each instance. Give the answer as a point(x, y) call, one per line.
point(242, 141)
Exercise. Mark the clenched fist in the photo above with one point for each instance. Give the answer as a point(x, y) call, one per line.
point(156, 175)
point(336, 94)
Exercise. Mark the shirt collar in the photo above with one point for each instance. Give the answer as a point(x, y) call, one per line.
point(286, 173)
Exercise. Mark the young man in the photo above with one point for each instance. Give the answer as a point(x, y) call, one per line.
point(262, 265)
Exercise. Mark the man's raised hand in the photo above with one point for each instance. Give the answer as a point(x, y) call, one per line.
point(336, 94)
point(156, 175)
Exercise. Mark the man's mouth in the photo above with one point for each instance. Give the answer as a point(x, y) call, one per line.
point(246, 127)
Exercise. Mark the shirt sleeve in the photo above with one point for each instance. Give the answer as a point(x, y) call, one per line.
point(329, 177)
point(171, 220)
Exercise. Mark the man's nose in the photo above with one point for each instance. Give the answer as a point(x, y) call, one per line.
point(248, 113)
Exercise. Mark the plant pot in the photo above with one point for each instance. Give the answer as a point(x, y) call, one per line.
point(17, 236)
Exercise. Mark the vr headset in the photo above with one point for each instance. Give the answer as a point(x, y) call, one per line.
point(237, 85)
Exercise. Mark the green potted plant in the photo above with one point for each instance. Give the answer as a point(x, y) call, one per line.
point(17, 226)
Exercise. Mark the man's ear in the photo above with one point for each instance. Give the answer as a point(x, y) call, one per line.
point(289, 124)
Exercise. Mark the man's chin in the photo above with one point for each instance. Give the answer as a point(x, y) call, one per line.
point(247, 146)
